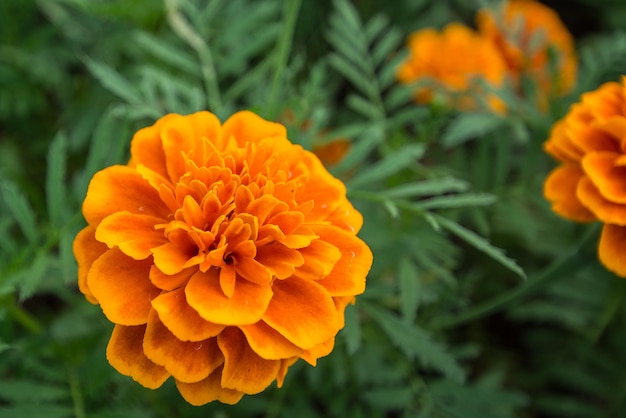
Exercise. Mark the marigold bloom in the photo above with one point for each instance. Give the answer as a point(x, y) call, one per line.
point(455, 58)
point(530, 35)
point(590, 183)
point(222, 253)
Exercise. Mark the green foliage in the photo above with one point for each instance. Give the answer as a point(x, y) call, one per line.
point(452, 203)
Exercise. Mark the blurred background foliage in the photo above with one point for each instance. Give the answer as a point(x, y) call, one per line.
point(481, 302)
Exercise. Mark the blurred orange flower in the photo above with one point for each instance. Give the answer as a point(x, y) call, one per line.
point(530, 35)
point(455, 58)
point(222, 252)
point(590, 183)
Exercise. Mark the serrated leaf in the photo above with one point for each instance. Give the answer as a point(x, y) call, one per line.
point(348, 70)
point(113, 81)
point(56, 192)
point(31, 276)
point(361, 148)
point(481, 244)
point(21, 210)
point(366, 108)
point(415, 342)
point(389, 398)
point(389, 165)
point(428, 187)
point(162, 50)
point(23, 391)
point(409, 289)
point(352, 329)
point(457, 201)
point(468, 126)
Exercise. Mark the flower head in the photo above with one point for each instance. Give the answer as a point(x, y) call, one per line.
point(222, 252)
point(456, 58)
point(590, 182)
point(534, 42)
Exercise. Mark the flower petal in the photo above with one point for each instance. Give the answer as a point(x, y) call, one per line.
point(247, 127)
point(560, 189)
point(181, 319)
point(186, 361)
point(170, 281)
point(321, 350)
point(282, 372)
point(279, 260)
point(606, 176)
point(122, 287)
point(302, 311)
point(269, 343)
point(208, 390)
point(348, 274)
point(119, 188)
point(612, 249)
point(87, 250)
point(125, 353)
point(133, 234)
point(244, 370)
point(604, 210)
point(171, 259)
point(247, 305)
point(146, 147)
point(319, 259)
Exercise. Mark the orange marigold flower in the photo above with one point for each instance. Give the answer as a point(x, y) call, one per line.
point(455, 58)
point(530, 35)
point(590, 183)
point(222, 252)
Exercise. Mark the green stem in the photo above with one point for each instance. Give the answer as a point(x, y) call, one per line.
point(290, 13)
point(568, 262)
point(185, 31)
point(77, 396)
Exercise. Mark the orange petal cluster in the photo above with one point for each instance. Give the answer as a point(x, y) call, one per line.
point(534, 42)
point(590, 182)
point(455, 58)
point(222, 253)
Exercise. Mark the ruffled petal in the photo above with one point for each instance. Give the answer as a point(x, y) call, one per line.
point(269, 343)
point(279, 260)
point(348, 274)
point(609, 178)
point(321, 350)
point(125, 353)
point(133, 234)
point(247, 305)
point(146, 147)
point(87, 250)
point(186, 361)
point(247, 127)
point(302, 311)
point(122, 287)
point(181, 319)
point(560, 189)
point(208, 390)
point(244, 370)
point(121, 188)
point(170, 281)
point(612, 249)
point(604, 210)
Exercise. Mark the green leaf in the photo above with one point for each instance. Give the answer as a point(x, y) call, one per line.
point(352, 329)
point(113, 81)
point(21, 210)
point(415, 342)
point(56, 192)
point(457, 201)
point(175, 56)
point(391, 164)
point(428, 187)
point(481, 244)
point(470, 125)
point(23, 390)
point(409, 289)
point(36, 411)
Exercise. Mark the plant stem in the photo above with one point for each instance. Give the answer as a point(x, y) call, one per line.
point(77, 396)
point(568, 262)
point(290, 15)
